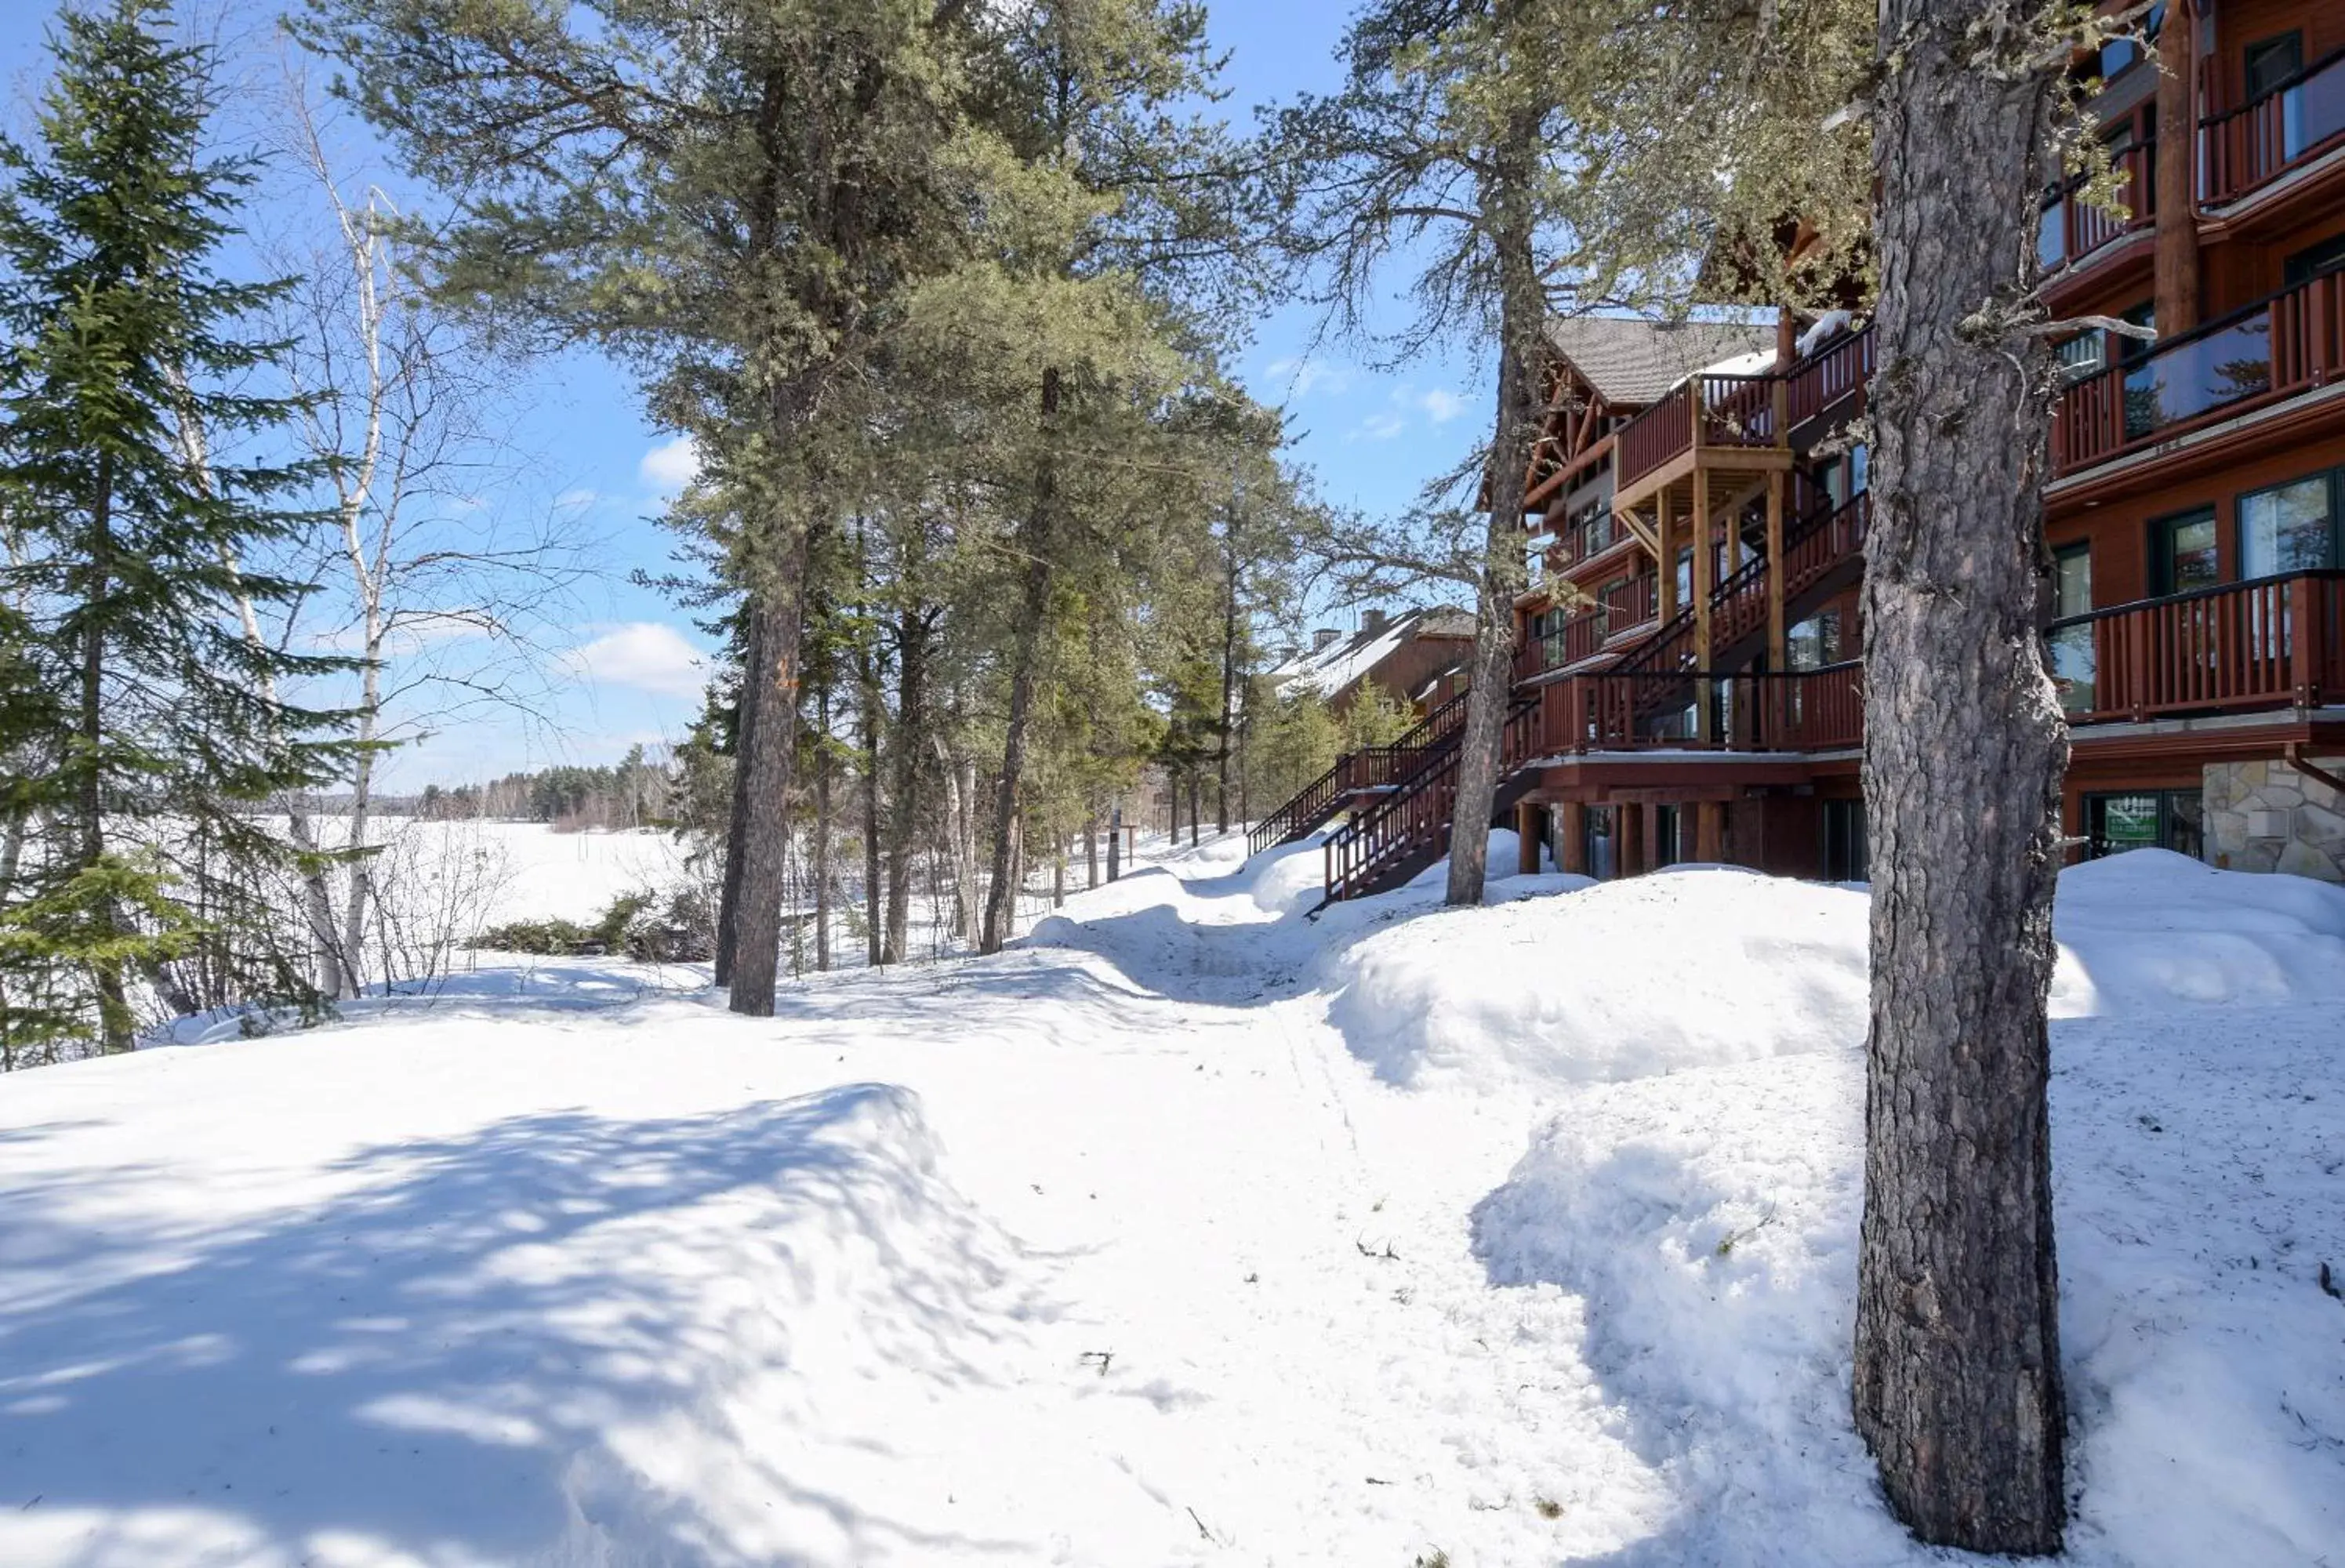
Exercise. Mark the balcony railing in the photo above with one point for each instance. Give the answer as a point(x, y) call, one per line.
point(2272, 351)
point(2278, 641)
point(1701, 411)
point(1823, 379)
point(2242, 148)
point(2073, 229)
point(1800, 711)
point(1623, 607)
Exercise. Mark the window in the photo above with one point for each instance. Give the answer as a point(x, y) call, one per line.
point(2289, 528)
point(1814, 642)
point(2271, 62)
point(2118, 54)
point(2182, 553)
point(2314, 260)
point(2171, 819)
point(2071, 647)
point(1845, 852)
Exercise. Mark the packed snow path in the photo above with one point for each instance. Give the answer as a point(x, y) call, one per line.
point(1191, 1231)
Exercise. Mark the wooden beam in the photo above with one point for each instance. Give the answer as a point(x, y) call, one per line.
point(1571, 838)
point(1665, 561)
point(1710, 832)
point(1777, 646)
point(1705, 574)
point(1526, 859)
point(1642, 530)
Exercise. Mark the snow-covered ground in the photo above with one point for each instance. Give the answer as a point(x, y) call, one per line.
point(1191, 1231)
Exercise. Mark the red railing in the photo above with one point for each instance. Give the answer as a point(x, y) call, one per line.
point(2270, 352)
point(1802, 710)
point(1415, 815)
point(2278, 641)
point(1701, 411)
point(1621, 608)
point(2073, 229)
point(1823, 379)
point(2241, 148)
point(1373, 767)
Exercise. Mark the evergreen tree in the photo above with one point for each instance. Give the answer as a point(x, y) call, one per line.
point(150, 731)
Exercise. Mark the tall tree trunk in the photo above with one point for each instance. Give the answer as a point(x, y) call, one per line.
point(910, 770)
point(1506, 201)
point(745, 723)
point(819, 866)
point(1957, 1385)
point(1025, 671)
point(872, 919)
point(115, 1022)
point(1229, 674)
point(1091, 852)
point(760, 836)
point(1195, 789)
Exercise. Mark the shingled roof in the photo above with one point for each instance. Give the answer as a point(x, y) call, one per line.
point(1631, 362)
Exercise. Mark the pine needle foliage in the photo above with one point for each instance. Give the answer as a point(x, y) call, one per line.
point(146, 728)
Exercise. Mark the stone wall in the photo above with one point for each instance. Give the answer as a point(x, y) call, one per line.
point(2267, 816)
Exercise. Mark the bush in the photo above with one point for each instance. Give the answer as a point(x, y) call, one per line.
point(638, 924)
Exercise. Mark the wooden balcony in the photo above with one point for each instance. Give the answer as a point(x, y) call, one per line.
point(2074, 229)
point(1822, 381)
point(1730, 415)
point(1620, 610)
point(2277, 643)
point(1800, 711)
point(2244, 148)
point(2275, 349)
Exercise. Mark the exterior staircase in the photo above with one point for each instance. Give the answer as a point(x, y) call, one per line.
point(1408, 826)
point(1370, 769)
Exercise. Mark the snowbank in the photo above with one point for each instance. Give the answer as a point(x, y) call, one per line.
point(1709, 1220)
point(2150, 929)
point(1610, 980)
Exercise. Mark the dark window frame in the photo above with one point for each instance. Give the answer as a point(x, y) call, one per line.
point(2293, 39)
point(2095, 807)
point(2161, 546)
point(2335, 479)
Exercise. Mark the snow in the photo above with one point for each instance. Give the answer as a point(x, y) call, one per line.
point(1329, 669)
point(1823, 329)
point(1193, 1230)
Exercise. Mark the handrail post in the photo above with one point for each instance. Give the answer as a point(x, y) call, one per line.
point(2304, 635)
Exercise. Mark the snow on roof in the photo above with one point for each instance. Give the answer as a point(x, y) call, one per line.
point(1330, 670)
point(1632, 361)
point(1828, 326)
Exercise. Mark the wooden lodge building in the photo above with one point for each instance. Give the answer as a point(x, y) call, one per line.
point(1687, 684)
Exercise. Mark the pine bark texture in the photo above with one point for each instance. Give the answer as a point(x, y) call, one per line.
point(1025, 675)
point(760, 836)
point(1522, 307)
point(1957, 1386)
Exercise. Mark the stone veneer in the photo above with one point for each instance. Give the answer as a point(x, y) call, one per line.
point(2314, 815)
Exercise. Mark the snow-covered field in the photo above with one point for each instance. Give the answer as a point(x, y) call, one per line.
point(1191, 1230)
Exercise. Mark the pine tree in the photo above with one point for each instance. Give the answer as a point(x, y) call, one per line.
point(149, 729)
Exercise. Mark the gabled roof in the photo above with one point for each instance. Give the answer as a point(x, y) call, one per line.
point(1329, 669)
point(1631, 361)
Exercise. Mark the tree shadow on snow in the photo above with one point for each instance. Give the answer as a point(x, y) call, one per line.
point(414, 1364)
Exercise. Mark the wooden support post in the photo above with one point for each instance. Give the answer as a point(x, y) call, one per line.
point(2175, 260)
point(1778, 645)
point(1710, 831)
point(1628, 834)
point(1526, 830)
point(1705, 573)
point(1571, 838)
point(1665, 556)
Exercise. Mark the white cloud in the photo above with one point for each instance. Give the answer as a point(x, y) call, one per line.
point(1304, 376)
point(1381, 427)
point(1441, 406)
point(668, 467)
point(647, 655)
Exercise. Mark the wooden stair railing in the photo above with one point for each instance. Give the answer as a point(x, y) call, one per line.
point(1406, 830)
point(1369, 768)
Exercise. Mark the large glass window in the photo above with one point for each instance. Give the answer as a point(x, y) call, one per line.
point(2291, 528)
point(2314, 260)
point(2145, 819)
point(1846, 851)
point(2072, 646)
point(2182, 552)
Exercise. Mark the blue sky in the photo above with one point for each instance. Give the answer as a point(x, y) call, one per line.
point(623, 659)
